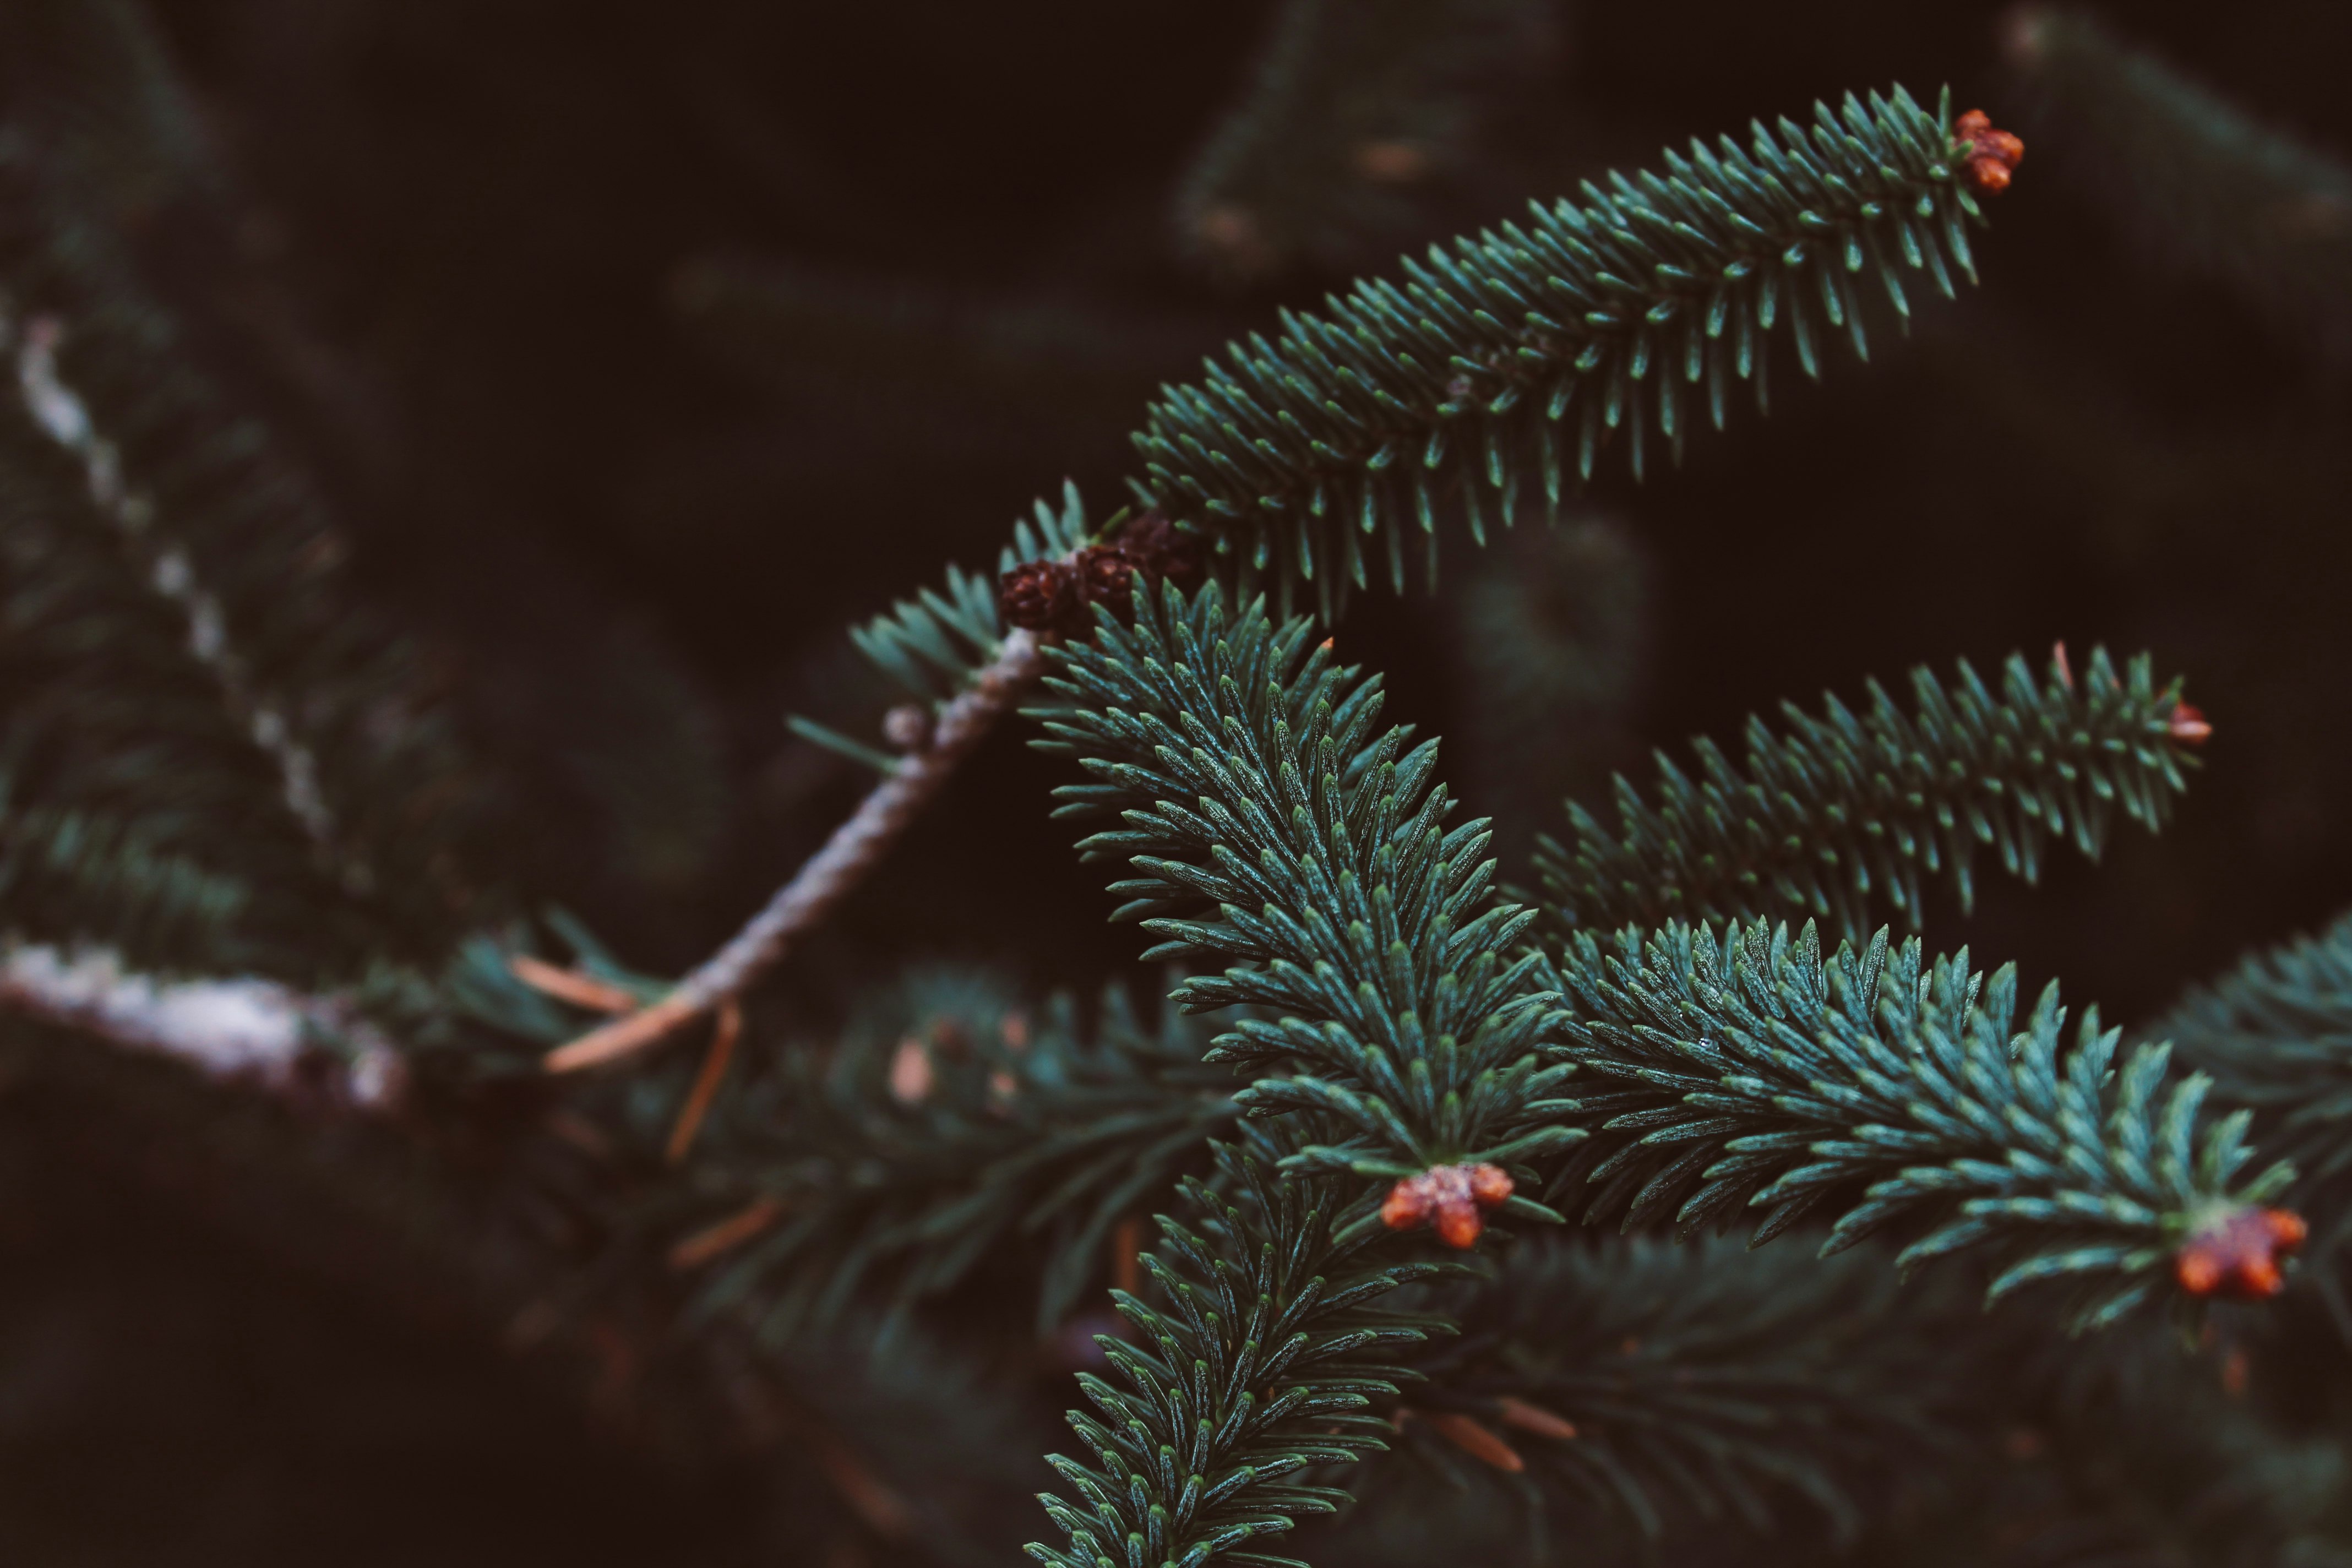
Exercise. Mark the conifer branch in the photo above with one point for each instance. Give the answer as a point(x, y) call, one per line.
point(2276, 1036)
point(1273, 831)
point(919, 1151)
point(246, 1030)
point(1646, 1381)
point(1462, 378)
point(236, 815)
point(65, 418)
point(1745, 1070)
point(2192, 178)
point(829, 875)
point(1849, 808)
point(1355, 109)
point(1259, 1366)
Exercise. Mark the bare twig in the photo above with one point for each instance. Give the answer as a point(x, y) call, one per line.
point(828, 875)
point(245, 1029)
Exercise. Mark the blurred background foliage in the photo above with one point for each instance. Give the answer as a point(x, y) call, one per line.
point(643, 350)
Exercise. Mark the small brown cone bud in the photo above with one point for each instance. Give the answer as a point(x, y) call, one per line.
point(2238, 1257)
point(1106, 577)
point(2188, 725)
point(1160, 550)
point(1041, 596)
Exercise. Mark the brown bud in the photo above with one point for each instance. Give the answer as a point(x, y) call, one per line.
point(1106, 577)
point(2238, 1257)
point(2188, 725)
point(1041, 596)
point(1161, 550)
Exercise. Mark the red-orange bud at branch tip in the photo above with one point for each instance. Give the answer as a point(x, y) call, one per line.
point(1448, 1196)
point(1991, 155)
point(2188, 725)
point(2238, 1257)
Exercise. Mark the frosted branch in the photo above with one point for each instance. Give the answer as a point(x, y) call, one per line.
point(243, 1030)
point(61, 414)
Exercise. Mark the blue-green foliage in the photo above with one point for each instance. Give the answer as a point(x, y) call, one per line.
point(949, 1127)
point(2275, 1036)
point(1259, 1366)
point(211, 755)
point(1274, 830)
point(1628, 310)
point(1745, 1071)
point(1851, 811)
point(1706, 1382)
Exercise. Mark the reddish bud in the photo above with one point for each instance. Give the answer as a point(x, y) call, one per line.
point(1451, 1196)
point(2238, 1257)
point(1041, 596)
point(1161, 550)
point(1989, 175)
point(2188, 725)
point(1408, 1204)
point(1989, 154)
point(1459, 1224)
point(1106, 577)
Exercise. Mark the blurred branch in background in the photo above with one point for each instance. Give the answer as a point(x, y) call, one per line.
point(1361, 122)
point(2199, 181)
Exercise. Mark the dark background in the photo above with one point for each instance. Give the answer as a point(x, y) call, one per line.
point(645, 348)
